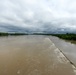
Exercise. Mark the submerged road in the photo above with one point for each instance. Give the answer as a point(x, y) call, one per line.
point(32, 55)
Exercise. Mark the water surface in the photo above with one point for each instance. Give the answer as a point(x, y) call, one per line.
point(32, 55)
point(68, 48)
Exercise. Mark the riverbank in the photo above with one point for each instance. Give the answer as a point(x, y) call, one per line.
point(11, 34)
point(69, 37)
point(66, 47)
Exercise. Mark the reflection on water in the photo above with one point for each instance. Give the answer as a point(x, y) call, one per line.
point(30, 55)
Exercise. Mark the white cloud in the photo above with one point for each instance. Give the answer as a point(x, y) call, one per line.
point(37, 13)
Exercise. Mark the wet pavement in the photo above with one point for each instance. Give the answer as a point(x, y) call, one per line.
point(32, 55)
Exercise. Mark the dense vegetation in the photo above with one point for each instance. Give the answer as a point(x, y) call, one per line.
point(66, 36)
point(7, 34)
point(62, 36)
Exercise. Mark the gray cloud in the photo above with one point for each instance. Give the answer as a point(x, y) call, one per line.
point(39, 15)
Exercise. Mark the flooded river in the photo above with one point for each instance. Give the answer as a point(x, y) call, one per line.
point(68, 48)
point(35, 55)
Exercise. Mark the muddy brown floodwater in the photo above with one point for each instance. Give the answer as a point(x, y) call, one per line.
point(32, 55)
point(68, 48)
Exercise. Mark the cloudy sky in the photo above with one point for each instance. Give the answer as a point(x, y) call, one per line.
point(38, 15)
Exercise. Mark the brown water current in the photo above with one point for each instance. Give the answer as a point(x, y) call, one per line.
point(32, 55)
point(68, 48)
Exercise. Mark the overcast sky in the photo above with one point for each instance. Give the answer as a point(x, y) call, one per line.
point(39, 14)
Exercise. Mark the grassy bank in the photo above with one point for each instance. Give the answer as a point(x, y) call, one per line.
point(66, 36)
